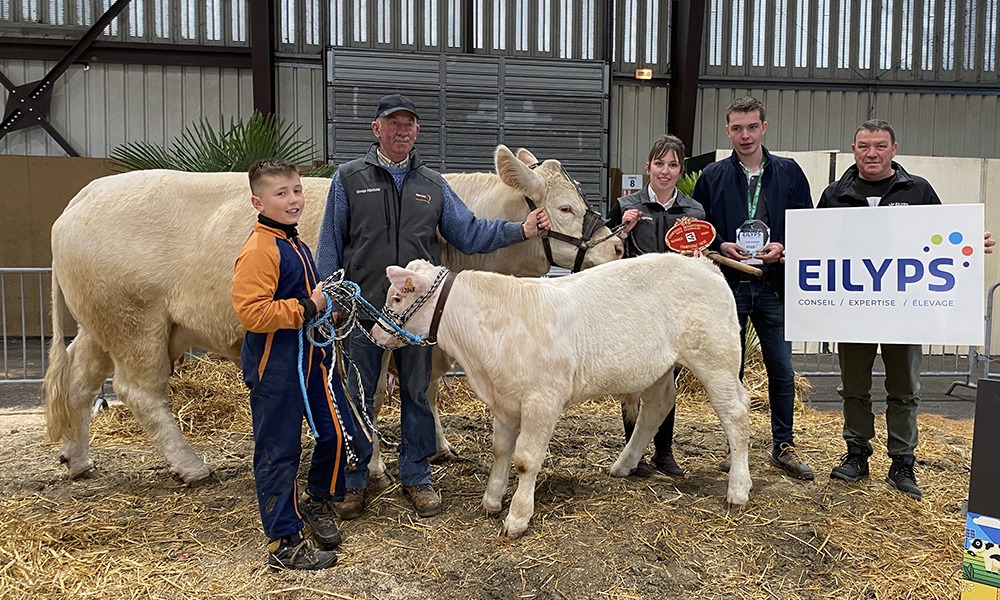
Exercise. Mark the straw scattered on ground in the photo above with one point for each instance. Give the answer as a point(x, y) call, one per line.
point(130, 530)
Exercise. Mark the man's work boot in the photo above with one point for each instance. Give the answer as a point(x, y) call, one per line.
point(902, 478)
point(321, 515)
point(353, 504)
point(786, 458)
point(853, 467)
point(426, 501)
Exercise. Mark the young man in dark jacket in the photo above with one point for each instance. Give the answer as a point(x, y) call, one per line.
point(745, 197)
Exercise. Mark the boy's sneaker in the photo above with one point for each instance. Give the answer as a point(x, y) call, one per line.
point(902, 478)
point(299, 553)
point(852, 467)
point(664, 463)
point(786, 458)
point(321, 516)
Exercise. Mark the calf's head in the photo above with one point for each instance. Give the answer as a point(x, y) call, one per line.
point(577, 236)
point(413, 294)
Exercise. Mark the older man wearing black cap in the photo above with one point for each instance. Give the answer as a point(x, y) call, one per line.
point(385, 209)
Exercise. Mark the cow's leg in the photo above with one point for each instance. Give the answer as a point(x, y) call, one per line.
point(89, 367)
point(732, 404)
point(529, 453)
point(141, 381)
point(656, 402)
point(504, 437)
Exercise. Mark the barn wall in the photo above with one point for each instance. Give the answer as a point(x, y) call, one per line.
point(956, 125)
point(36, 190)
point(99, 107)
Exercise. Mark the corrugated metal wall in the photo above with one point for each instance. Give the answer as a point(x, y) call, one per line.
point(638, 117)
point(926, 124)
point(100, 107)
point(469, 104)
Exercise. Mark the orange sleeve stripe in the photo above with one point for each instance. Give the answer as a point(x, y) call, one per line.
point(255, 281)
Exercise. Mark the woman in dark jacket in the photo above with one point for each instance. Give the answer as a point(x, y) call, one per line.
point(650, 213)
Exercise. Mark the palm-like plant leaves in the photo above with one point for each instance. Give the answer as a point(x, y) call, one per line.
point(201, 148)
point(686, 184)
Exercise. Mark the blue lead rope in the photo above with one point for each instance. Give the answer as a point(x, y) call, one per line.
point(348, 298)
point(302, 385)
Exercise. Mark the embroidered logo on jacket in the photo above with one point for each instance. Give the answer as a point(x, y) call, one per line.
point(422, 198)
point(368, 190)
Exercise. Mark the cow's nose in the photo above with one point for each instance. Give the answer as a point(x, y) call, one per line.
point(619, 249)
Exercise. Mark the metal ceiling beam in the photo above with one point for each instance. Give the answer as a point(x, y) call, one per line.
point(28, 104)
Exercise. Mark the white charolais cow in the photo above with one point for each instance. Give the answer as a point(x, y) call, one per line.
point(144, 260)
point(533, 347)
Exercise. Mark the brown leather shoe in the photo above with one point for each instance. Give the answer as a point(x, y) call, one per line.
point(379, 483)
point(353, 504)
point(426, 501)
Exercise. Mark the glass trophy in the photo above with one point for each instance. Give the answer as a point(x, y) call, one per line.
point(752, 235)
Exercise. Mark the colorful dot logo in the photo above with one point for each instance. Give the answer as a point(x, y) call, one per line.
point(955, 238)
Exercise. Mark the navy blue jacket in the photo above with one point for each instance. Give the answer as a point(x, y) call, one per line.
point(722, 190)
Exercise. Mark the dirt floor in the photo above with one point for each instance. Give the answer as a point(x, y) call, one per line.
point(130, 530)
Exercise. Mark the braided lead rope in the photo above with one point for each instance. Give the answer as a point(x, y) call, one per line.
point(348, 295)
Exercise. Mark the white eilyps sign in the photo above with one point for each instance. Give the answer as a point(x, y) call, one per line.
point(892, 274)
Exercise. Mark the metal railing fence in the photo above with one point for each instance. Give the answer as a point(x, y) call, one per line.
point(24, 294)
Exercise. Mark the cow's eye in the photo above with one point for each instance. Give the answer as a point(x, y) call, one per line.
point(565, 209)
point(395, 299)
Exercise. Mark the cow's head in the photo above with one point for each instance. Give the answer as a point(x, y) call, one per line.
point(978, 547)
point(413, 296)
point(577, 238)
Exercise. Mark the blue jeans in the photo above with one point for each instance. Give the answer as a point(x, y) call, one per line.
point(417, 443)
point(759, 301)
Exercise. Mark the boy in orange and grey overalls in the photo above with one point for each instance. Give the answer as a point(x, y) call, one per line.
point(275, 291)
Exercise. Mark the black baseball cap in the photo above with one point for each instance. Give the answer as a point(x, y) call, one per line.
point(394, 103)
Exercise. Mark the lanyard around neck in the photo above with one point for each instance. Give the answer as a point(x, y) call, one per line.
point(753, 196)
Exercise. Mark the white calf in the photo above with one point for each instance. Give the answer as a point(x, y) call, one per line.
point(533, 347)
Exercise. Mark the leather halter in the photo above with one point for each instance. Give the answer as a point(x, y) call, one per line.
point(431, 337)
point(592, 221)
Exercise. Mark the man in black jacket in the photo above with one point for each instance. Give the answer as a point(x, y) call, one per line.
point(877, 180)
point(745, 197)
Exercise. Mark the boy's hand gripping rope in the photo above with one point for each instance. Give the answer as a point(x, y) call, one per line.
point(348, 295)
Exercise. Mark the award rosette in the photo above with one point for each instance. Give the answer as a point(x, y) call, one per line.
point(690, 234)
point(752, 235)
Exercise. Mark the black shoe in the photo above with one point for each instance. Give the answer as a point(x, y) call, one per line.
point(321, 515)
point(902, 478)
point(786, 458)
point(726, 464)
point(852, 467)
point(664, 463)
point(299, 553)
point(642, 470)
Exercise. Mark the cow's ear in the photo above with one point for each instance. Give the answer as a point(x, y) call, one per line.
point(516, 174)
point(526, 157)
point(398, 277)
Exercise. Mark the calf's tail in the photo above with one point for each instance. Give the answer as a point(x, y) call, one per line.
point(58, 415)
